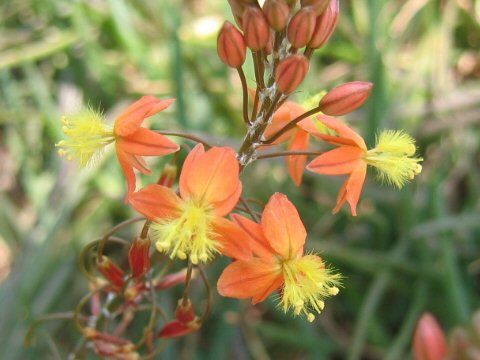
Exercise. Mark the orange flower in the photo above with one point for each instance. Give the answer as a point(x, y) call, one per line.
point(298, 139)
point(88, 135)
point(393, 157)
point(276, 262)
point(193, 224)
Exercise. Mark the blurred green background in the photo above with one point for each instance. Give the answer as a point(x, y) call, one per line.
point(408, 251)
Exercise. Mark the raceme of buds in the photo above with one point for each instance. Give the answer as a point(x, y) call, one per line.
point(301, 26)
point(111, 272)
point(277, 13)
point(290, 73)
point(139, 257)
point(231, 46)
point(325, 25)
point(345, 98)
point(255, 28)
point(318, 5)
point(429, 341)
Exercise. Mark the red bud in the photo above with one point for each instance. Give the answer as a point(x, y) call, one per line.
point(325, 25)
point(139, 257)
point(255, 28)
point(111, 272)
point(186, 321)
point(290, 73)
point(318, 5)
point(170, 280)
point(185, 312)
point(429, 341)
point(301, 26)
point(277, 13)
point(231, 46)
point(345, 98)
point(169, 175)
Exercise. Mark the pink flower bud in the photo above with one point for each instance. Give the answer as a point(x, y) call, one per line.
point(290, 73)
point(301, 26)
point(277, 13)
point(318, 5)
point(325, 25)
point(169, 175)
point(255, 28)
point(238, 7)
point(231, 46)
point(111, 272)
point(429, 342)
point(170, 280)
point(139, 257)
point(345, 98)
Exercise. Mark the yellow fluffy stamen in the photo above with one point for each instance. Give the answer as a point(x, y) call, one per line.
point(190, 235)
point(87, 136)
point(307, 283)
point(394, 158)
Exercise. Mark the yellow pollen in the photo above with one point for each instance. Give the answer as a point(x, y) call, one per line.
point(87, 136)
point(394, 158)
point(307, 283)
point(190, 235)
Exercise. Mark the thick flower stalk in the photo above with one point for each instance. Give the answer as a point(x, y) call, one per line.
point(393, 157)
point(276, 261)
point(192, 224)
point(87, 135)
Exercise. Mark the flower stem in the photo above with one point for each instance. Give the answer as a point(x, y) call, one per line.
point(287, 153)
point(243, 80)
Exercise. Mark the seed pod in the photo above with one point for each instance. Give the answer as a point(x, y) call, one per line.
point(290, 73)
point(231, 46)
point(277, 13)
point(345, 98)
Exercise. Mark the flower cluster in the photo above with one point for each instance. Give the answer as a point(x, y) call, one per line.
point(201, 218)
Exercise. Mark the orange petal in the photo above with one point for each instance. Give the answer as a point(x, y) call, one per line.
point(282, 226)
point(224, 207)
point(296, 164)
point(131, 119)
point(354, 187)
point(212, 177)
point(156, 202)
point(147, 143)
point(258, 243)
point(192, 157)
point(253, 278)
point(343, 131)
point(339, 161)
point(235, 243)
point(125, 161)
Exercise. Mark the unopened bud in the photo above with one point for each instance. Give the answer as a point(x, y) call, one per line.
point(238, 7)
point(139, 257)
point(429, 341)
point(185, 312)
point(231, 46)
point(277, 13)
point(325, 25)
point(255, 28)
point(318, 5)
point(168, 176)
point(301, 26)
point(176, 328)
point(290, 73)
point(111, 272)
point(170, 280)
point(345, 98)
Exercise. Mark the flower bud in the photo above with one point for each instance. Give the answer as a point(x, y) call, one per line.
point(111, 272)
point(185, 312)
point(231, 46)
point(429, 342)
point(255, 28)
point(139, 257)
point(170, 280)
point(290, 73)
point(168, 176)
point(345, 98)
point(186, 321)
point(238, 7)
point(301, 26)
point(318, 5)
point(325, 25)
point(276, 12)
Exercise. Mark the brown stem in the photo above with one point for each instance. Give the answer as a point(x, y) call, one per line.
point(184, 135)
point(257, 65)
point(249, 210)
point(188, 279)
point(287, 153)
point(291, 125)
point(255, 105)
point(146, 227)
point(113, 230)
point(208, 309)
point(308, 52)
point(243, 80)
